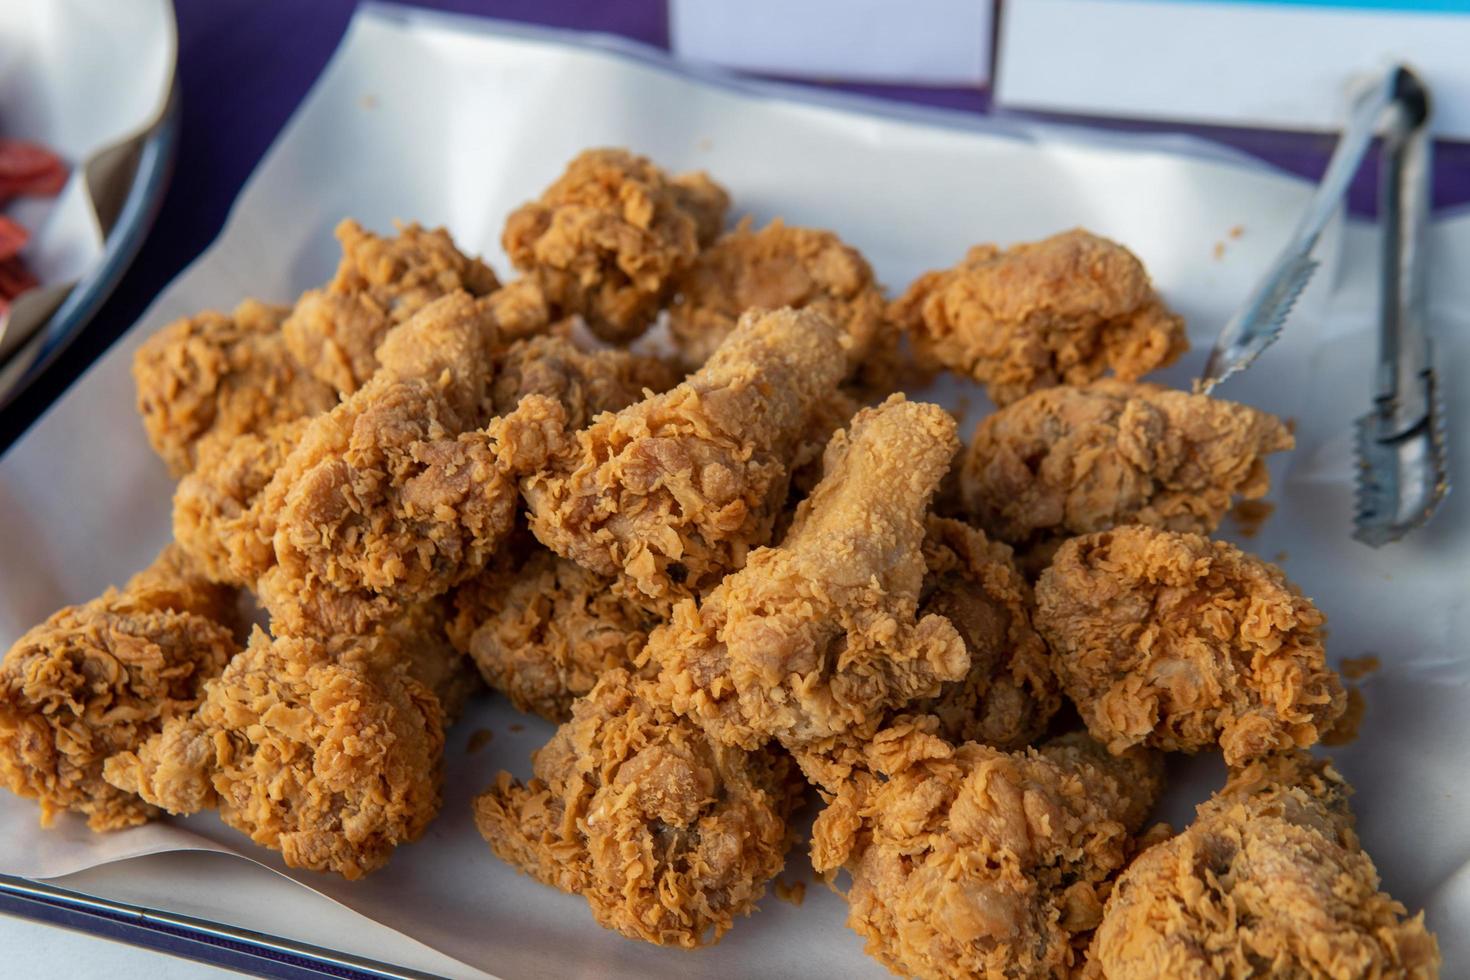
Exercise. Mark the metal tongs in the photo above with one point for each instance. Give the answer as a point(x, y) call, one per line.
point(1403, 471)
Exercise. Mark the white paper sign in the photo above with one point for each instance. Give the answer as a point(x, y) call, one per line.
point(917, 42)
point(441, 119)
point(1284, 64)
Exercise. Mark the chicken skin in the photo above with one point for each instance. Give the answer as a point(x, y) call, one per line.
point(970, 861)
point(381, 282)
point(1180, 642)
point(542, 630)
point(321, 753)
point(803, 268)
point(1269, 880)
point(668, 834)
point(671, 493)
point(100, 678)
point(1067, 461)
point(1064, 310)
point(398, 494)
point(212, 378)
point(606, 240)
point(815, 639)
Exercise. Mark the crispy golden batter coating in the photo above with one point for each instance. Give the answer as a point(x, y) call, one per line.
point(1179, 642)
point(418, 639)
point(970, 861)
point(1010, 692)
point(667, 834)
point(607, 238)
point(815, 639)
point(1269, 881)
point(670, 494)
point(214, 377)
point(397, 494)
point(100, 678)
point(1067, 461)
point(542, 630)
point(328, 758)
point(216, 513)
point(586, 383)
point(380, 282)
point(1064, 310)
point(803, 268)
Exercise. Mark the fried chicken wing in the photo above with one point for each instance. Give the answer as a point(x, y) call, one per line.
point(398, 494)
point(212, 378)
point(320, 754)
point(803, 268)
point(668, 834)
point(380, 282)
point(1179, 642)
point(1064, 310)
point(543, 629)
point(608, 237)
point(1269, 880)
point(815, 639)
point(100, 678)
point(1066, 461)
point(670, 494)
point(970, 861)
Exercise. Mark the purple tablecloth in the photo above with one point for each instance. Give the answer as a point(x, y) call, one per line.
point(245, 64)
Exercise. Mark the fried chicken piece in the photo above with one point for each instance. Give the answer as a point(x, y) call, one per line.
point(813, 640)
point(668, 834)
point(1269, 880)
point(216, 511)
point(322, 755)
point(608, 237)
point(419, 641)
point(670, 494)
point(380, 282)
point(1064, 310)
point(101, 677)
point(542, 630)
point(398, 494)
point(1179, 642)
point(586, 383)
point(1067, 461)
point(1010, 692)
point(211, 378)
point(970, 861)
point(803, 268)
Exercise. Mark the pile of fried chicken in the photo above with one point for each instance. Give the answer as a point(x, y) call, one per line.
point(739, 576)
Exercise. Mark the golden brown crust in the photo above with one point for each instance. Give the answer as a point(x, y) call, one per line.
point(671, 493)
point(585, 383)
point(780, 266)
point(380, 282)
point(100, 678)
point(210, 378)
point(607, 238)
point(1067, 461)
point(542, 630)
point(1064, 310)
point(815, 639)
point(330, 759)
point(1269, 881)
point(970, 861)
point(667, 834)
point(1179, 642)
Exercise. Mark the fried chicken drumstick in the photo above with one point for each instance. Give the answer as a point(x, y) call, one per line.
point(668, 834)
point(1268, 881)
point(670, 494)
point(1064, 310)
point(814, 639)
point(1180, 642)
